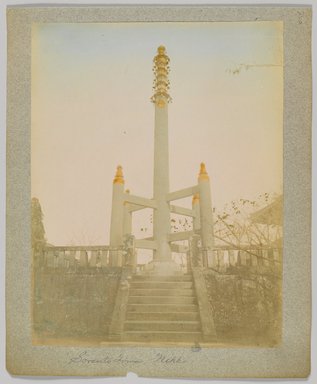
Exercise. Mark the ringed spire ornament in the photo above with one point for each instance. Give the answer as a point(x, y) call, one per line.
point(161, 82)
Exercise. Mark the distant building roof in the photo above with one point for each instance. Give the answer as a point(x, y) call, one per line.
point(271, 214)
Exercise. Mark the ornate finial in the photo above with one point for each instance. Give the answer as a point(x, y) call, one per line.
point(161, 82)
point(161, 50)
point(195, 198)
point(118, 179)
point(203, 175)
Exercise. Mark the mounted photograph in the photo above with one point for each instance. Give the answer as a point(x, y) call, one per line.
point(157, 184)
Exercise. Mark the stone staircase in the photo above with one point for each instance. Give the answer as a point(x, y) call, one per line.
point(162, 308)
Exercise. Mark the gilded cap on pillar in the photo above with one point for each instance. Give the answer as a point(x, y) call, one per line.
point(203, 175)
point(118, 179)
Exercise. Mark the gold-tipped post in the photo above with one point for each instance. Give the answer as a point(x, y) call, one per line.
point(206, 215)
point(117, 214)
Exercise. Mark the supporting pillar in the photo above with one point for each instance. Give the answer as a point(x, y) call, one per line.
point(195, 249)
point(196, 209)
point(162, 255)
point(128, 238)
point(116, 228)
point(206, 215)
point(161, 216)
point(127, 218)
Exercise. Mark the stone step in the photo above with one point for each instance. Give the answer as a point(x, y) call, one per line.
point(173, 278)
point(167, 316)
point(162, 308)
point(163, 336)
point(178, 326)
point(161, 292)
point(161, 284)
point(178, 300)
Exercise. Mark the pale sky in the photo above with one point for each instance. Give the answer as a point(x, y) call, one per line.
point(91, 110)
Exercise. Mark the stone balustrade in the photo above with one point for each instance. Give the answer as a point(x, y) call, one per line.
point(226, 258)
point(74, 256)
point(222, 258)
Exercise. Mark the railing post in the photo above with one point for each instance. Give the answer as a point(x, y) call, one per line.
point(215, 261)
point(93, 259)
point(104, 258)
point(71, 258)
point(276, 256)
point(259, 260)
point(83, 261)
point(55, 259)
point(221, 262)
point(243, 257)
point(130, 251)
point(232, 260)
point(271, 257)
point(239, 258)
point(49, 258)
point(265, 257)
point(248, 257)
point(254, 259)
point(61, 259)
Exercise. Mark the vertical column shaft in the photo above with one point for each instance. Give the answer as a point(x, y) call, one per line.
point(116, 228)
point(127, 219)
point(161, 98)
point(206, 217)
point(161, 216)
point(196, 209)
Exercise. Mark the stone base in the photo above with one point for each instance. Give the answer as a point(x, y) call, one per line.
point(163, 268)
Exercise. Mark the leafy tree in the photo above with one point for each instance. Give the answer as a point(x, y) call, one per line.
point(236, 225)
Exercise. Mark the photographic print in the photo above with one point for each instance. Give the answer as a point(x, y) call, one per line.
point(158, 170)
point(157, 211)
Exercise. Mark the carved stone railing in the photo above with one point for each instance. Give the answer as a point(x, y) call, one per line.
point(73, 256)
point(223, 258)
point(86, 256)
point(256, 257)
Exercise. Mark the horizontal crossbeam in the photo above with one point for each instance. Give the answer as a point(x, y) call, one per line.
point(141, 201)
point(180, 194)
point(178, 248)
point(145, 244)
point(134, 207)
point(182, 211)
point(177, 236)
